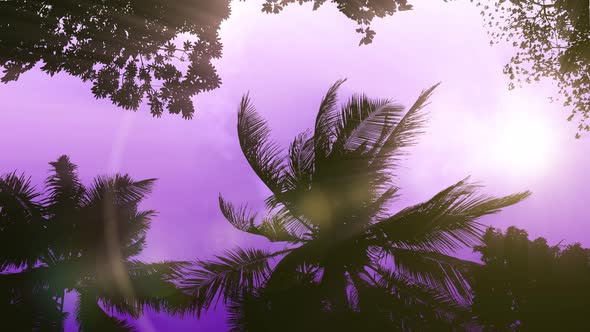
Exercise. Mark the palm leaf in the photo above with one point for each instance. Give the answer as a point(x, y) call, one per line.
point(135, 248)
point(21, 218)
point(235, 271)
point(325, 122)
point(275, 227)
point(151, 286)
point(422, 303)
point(442, 272)
point(446, 222)
point(263, 156)
point(377, 209)
point(109, 216)
point(91, 317)
point(286, 272)
point(404, 134)
point(298, 176)
point(241, 218)
point(133, 231)
point(364, 121)
point(411, 291)
point(120, 189)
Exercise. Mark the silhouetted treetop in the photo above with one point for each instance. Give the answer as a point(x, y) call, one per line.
point(131, 50)
point(553, 40)
point(83, 238)
point(345, 253)
point(361, 11)
point(528, 285)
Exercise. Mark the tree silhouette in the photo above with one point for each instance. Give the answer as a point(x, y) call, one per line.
point(82, 239)
point(129, 50)
point(361, 11)
point(530, 286)
point(553, 40)
point(330, 207)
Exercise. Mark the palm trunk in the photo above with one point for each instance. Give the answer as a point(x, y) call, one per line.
point(334, 285)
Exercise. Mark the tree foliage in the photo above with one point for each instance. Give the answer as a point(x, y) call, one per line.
point(361, 11)
point(79, 238)
point(347, 259)
point(552, 38)
point(130, 51)
point(529, 285)
point(134, 52)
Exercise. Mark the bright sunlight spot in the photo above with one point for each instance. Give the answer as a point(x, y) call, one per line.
point(524, 144)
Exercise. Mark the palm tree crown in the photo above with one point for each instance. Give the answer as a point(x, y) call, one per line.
point(82, 239)
point(330, 200)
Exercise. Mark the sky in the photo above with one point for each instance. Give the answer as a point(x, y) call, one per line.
point(508, 141)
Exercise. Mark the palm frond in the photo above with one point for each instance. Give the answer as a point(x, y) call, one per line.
point(275, 227)
point(298, 176)
point(241, 218)
point(325, 122)
point(91, 317)
point(235, 271)
point(151, 285)
point(377, 209)
point(348, 171)
point(434, 306)
point(446, 222)
point(412, 291)
point(134, 230)
point(134, 248)
point(263, 155)
point(435, 270)
point(346, 178)
point(402, 304)
point(18, 198)
point(404, 134)
point(364, 121)
point(291, 221)
point(109, 215)
point(120, 189)
point(288, 270)
point(21, 217)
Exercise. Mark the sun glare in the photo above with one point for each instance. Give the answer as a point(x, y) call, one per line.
point(524, 144)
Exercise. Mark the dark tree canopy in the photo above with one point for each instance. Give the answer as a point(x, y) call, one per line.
point(361, 11)
point(529, 285)
point(136, 51)
point(130, 50)
point(553, 40)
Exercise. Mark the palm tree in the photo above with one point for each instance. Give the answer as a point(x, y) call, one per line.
point(330, 202)
point(82, 239)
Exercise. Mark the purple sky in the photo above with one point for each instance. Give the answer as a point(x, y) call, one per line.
point(287, 62)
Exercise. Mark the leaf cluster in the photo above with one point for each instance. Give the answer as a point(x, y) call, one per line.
point(552, 40)
point(130, 51)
